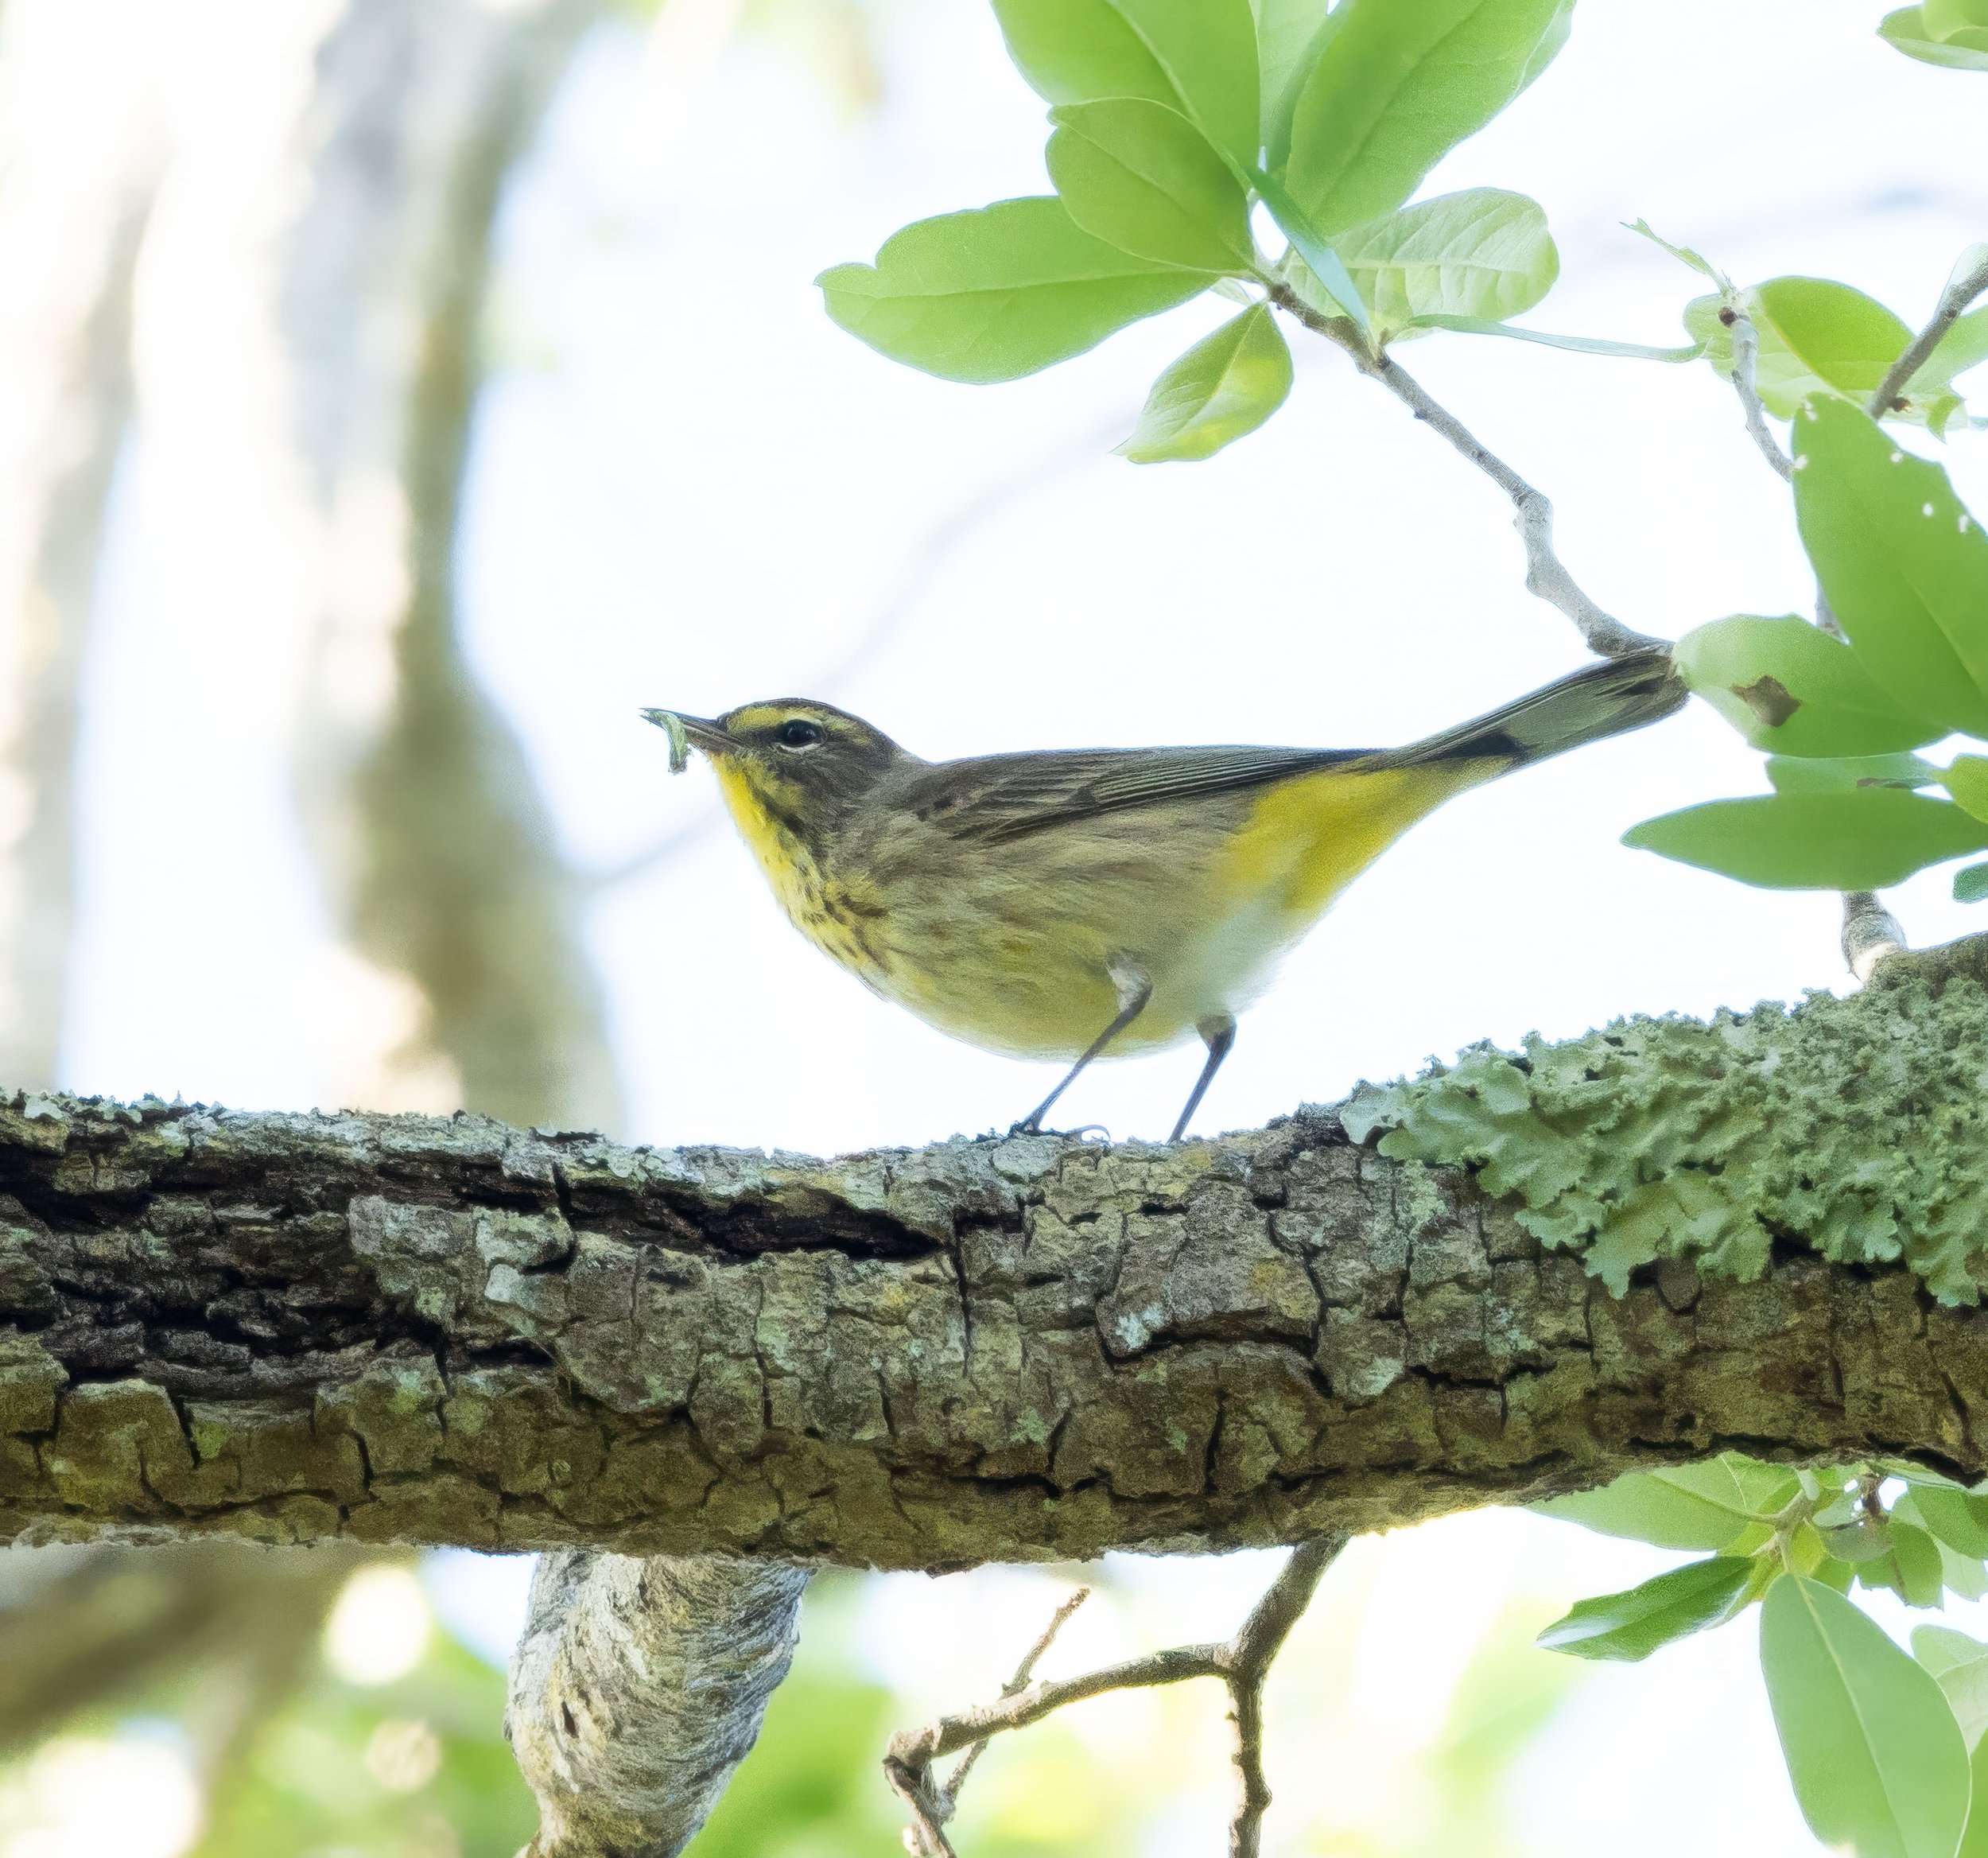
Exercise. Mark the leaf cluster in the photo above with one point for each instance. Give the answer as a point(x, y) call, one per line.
point(1177, 128)
point(1885, 1751)
point(1902, 566)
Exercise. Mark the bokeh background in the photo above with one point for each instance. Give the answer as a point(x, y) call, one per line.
point(395, 395)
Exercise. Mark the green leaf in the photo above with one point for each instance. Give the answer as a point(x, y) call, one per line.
point(1940, 1648)
point(1904, 565)
point(1963, 1574)
point(1471, 325)
point(1197, 56)
point(1964, 346)
point(1227, 384)
point(1967, 781)
point(1957, 1519)
point(1683, 254)
point(1905, 31)
point(1959, 1666)
point(1974, 1842)
point(1290, 37)
point(1480, 253)
point(1792, 774)
point(1867, 1539)
point(1970, 885)
point(1788, 687)
point(1913, 1569)
point(1321, 269)
point(1864, 839)
point(1395, 88)
point(1876, 1759)
point(1811, 336)
point(1630, 1626)
point(995, 294)
point(1707, 1505)
point(1945, 17)
point(1828, 335)
point(1142, 177)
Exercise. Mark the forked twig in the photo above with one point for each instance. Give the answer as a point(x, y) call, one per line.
point(947, 1797)
point(1241, 1663)
point(1746, 350)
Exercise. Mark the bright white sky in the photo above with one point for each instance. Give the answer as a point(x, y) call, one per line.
point(690, 489)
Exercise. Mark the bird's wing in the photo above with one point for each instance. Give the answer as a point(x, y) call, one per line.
point(1008, 796)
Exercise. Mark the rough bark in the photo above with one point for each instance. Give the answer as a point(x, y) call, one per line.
point(639, 1687)
point(423, 1330)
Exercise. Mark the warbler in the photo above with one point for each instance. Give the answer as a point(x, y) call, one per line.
point(1067, 905)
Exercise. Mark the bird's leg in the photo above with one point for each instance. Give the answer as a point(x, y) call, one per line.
point(1135, 988)
point(1218, 1033)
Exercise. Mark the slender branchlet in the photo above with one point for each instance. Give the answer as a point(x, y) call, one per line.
point(1241, 1664)
point(1953, 300)
point(1746, 350)
point(1547, 575)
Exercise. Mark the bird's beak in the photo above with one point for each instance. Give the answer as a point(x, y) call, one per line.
point(685, 732)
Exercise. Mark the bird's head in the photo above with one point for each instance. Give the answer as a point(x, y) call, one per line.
point(792, 762)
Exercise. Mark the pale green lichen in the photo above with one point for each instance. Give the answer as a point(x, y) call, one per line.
point(1856, 1128)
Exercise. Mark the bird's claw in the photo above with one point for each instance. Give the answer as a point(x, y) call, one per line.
point(1028, 1126)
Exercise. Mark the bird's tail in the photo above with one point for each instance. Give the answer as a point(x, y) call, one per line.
point(1601, 700)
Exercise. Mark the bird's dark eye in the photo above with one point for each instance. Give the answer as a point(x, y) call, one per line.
point(797, 733)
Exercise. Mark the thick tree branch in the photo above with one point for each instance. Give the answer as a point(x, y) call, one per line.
point(1547, 575)
point(418, 1330)
point(638, 1688)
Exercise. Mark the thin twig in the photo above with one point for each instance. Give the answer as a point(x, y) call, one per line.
point(1746, 350)
point(1547, 575)
point(949, 1794)
point(1248, 1657)
point(1242, 1664)
point(1953, 300)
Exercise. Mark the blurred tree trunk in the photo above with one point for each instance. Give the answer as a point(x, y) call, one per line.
point(431, 839)
point(431, 842)
point(432, 845)
point(79, 167)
